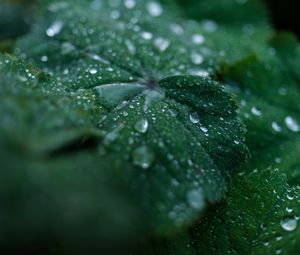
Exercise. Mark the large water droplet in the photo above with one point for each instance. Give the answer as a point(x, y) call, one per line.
point(195, 198)
point(142, 126)
point(194, 117)
point(143, 157)
point(292, 124)
point(288, 223)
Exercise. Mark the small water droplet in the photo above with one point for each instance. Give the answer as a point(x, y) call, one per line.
point(194, 117)
point(276, 127)
point(196, 58)
point(256, 111)
point(147, 35)
point(288, 223)
point(198, 39)
point(44, 58)
point(292, 124)
point(129, 4)
point(115, 14)
point(161, 43)
point(154, 9)
point(195, 198)
point(143, 157)
point(93, 71)
point(177, 29)
point(204, 129)
point(142, 126)
point(210, 26)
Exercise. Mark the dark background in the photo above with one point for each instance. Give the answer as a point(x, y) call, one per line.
point(285, 15)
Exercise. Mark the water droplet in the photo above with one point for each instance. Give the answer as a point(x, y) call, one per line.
point(147, 35)
point(142, 126)
point(198, 39)
point(143, 157)
point(130, 47)
point(288, 209)
point(54, 29)
point(290, 197)
point(288, 223)
point(276, 127)
point(44, 58)
point(161, 43)
point(210, 26)
point(292, 124)
point(129, 4)
point(194, 117)
point(204, 129)
point(67, 48)
point(93, 71)
point(236, 142)
point(195, 198)
point(177, 29)
point(115, 14)
point(154, 9)
point(256, 111)
point(196, 58)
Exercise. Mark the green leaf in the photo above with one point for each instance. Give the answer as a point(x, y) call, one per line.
point(126, 82)
point(259, 216)
point(269, 98)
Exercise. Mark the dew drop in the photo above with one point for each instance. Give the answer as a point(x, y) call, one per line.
point(147, 35)
point(161, 43)
point(93, 71)
point(142, 126)
point(204, 129)
point(196, 58)
point(210, 26)
point(129, 4)
point(177, 29)
point(154, 9)
point(276, 127)
point(194, 117)
point(143, 157)
point(195, 198)
point(256, 111)
point(292, 124)
point(288, 223)
point(44, 58)
point(54, 29)
point(198, 39)
point(115, 14)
